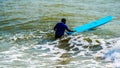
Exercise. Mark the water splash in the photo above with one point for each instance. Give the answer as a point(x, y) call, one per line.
point(79, 46)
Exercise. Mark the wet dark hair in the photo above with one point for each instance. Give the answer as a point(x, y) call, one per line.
point(63, 20)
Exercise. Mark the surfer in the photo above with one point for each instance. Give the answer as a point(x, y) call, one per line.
point(60, 28)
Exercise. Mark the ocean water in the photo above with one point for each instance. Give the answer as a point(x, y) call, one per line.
point(27, 36)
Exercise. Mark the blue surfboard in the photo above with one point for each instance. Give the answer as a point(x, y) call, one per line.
point(92, 25)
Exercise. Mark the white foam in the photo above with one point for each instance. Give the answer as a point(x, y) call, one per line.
point(110, 51)
point(51, 50)
point(113, 54)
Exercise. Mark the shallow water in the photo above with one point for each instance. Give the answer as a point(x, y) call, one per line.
point(27, 38)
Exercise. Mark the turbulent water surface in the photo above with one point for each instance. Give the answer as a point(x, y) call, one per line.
point(27, 36)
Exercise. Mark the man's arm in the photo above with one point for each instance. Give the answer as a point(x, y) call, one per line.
point(55, 27)
point(69, 29)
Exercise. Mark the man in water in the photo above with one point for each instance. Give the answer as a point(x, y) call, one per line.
point(60, 28)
